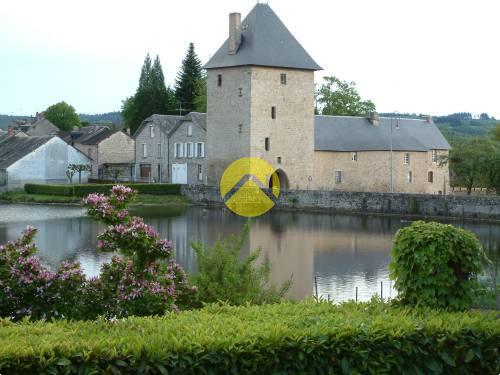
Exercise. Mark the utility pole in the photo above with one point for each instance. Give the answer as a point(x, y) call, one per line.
point(180, 109)
point(392, 182)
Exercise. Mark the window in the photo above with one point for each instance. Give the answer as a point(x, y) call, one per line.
point(410, 177)
point(266, 144)
point(240, 128)
point(179, 150)
point(283, 78)
point(240, 92)
point(279, 159)
point(151, 131)
point(200, 172)
point(354, 156)
point(430, 177)
point(219, 80)
point(190, 130)
point(407, 158)
point(200, 150)
point(338, 177)
point(158, 151)
point(273, 112)
point(144, 150)
point(434, 156)
point(189, 149)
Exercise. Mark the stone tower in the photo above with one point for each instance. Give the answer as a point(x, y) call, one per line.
point(260, 93)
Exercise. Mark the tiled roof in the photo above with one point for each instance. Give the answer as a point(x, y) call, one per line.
point(165, 122)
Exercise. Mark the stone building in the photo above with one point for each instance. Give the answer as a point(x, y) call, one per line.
point(171, 149)
point(260, 103)
point(109, 150)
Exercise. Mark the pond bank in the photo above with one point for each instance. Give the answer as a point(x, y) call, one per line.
point(386, 204)
point(141, 200)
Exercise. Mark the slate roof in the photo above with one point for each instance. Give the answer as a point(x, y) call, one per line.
point(91, 135)
point(41, 127)
point(346, 133)
point(265, 42)
point(165, 122)
point(15, 148)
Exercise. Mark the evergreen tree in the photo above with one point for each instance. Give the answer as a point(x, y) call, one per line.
point(187, 80)
point(151, 97)
point(200, 101)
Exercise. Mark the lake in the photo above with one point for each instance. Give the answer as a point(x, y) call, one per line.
point(338, 253)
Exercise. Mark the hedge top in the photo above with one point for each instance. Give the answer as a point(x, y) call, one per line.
point(222, 328)
point(81, 190)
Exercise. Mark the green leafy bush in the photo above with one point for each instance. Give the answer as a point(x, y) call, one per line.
point(287, 338)
point(223, 276)
point(85, 189)
point(435, 265)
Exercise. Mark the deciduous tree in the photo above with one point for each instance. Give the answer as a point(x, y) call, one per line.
point(63, 116)
point(336, 97)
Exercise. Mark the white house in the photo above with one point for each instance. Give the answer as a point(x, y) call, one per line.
point(42, 160)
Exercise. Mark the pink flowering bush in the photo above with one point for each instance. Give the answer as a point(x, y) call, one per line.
point(29, 289)
point(146, 281)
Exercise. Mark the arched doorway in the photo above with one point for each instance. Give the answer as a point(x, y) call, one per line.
point(279, 179)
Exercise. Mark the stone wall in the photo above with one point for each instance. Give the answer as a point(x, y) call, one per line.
point(370, 203)
point(372, 172)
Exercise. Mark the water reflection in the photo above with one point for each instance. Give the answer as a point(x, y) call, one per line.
point(342, 252)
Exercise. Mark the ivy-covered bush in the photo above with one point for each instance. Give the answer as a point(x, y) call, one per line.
point(284, 338)
point(146, 281)
point(435, 265)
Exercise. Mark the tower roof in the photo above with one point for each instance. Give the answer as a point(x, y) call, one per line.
point(265, 41)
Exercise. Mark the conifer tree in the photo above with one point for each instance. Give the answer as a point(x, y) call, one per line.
point(187, 80)
point(151, 97)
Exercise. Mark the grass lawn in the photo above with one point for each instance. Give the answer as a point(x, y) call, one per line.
point(142, 199)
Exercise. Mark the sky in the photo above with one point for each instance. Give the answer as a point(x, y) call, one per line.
point(427, 56)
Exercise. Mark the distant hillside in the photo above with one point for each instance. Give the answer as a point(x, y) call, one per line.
point(458, 125)
point(113, 117)
point(110, 117)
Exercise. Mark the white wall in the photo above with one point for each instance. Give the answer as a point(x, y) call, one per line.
point(46, 165)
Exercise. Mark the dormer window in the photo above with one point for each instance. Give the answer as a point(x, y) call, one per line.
point(283, 78)
point(151, 131)
point(219, 80)
point(190, 130)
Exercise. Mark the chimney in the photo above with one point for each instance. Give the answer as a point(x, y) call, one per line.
point(10, 131)
point(373, 118)
point(234, 33)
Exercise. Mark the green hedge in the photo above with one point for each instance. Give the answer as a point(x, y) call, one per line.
point(85, 189)
point(280, 338)
point(64, 190)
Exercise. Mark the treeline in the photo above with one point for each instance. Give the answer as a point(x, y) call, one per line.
point(110, 117)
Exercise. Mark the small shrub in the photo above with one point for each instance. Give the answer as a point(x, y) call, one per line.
point(435, 265)
point(222, 276)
